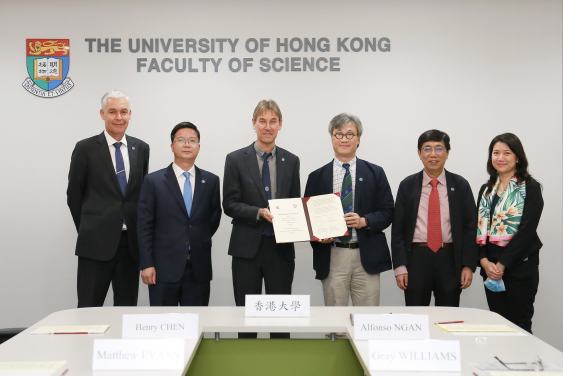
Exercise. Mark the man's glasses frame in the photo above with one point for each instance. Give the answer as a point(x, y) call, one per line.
point(190, 141)
point(536, 366)
point(340, 135)
point(428, 150)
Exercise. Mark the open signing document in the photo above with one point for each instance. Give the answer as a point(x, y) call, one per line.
point(308, 219)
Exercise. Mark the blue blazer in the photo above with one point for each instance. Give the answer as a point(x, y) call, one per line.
point(167, 233)
point(372, 200)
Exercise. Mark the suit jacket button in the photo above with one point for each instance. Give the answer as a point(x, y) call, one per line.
point(187, 243)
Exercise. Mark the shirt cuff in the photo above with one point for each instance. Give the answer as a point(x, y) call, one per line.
point(401, 270)
point(258, 215)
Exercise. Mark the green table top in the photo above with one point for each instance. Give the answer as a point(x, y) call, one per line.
point(275, 357)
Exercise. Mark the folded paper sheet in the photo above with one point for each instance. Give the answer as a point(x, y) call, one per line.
point(475, 328)
point(55, 368)
point(79, 329)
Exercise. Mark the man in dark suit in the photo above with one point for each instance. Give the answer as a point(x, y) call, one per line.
point(179, 211)
point(351, 265)
point(104, 183)
point(253, 175)
point(433, 233)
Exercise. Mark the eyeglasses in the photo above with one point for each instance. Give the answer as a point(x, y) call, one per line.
point(523, 366)
point(428, 150)
point(340, 135)
point(191, 141)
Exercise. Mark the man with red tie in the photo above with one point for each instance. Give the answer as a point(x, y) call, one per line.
point(433, 229)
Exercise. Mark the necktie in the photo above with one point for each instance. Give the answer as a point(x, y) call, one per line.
point(268, 229)
point(188, 193)
point(120, 167)
point(347, 198)
point(434, 236)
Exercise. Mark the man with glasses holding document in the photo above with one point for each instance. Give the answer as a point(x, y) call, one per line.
point(350, 265)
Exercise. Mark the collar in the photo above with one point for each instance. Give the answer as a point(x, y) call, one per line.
point(261, 152)
point(178, 171)
point(338, 163)
point(426, 179)
point(110, 140)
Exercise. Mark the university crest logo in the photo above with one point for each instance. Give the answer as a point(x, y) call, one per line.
point(47, 64)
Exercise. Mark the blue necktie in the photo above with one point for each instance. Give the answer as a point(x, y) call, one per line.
point(120, 167)
point(268, 229)
point(188, 193)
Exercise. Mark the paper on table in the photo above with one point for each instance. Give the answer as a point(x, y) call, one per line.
point(290, 223)
point(33, 368)
point(475, 328)
point(498, 369)
point(79, 329)
point(326, 216)
point(490, 334)
point(524, 373)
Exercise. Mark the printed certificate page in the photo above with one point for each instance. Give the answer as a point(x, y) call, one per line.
point(326, 216)
point(290, 223)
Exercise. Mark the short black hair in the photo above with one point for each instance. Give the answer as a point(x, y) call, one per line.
point(184, 124)
point(434, 135)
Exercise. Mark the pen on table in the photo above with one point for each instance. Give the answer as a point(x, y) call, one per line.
point(449, 322)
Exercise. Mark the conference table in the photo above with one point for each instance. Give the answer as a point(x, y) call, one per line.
point(311, 356)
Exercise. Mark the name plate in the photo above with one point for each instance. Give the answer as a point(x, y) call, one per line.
point(169, 325)
point(391, 326)
point(138, 354)
point(278, 306)
point(427, 355)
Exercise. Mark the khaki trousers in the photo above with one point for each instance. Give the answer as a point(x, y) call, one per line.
point(346, 278)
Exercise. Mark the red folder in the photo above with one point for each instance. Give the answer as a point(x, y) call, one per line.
point(311, 236)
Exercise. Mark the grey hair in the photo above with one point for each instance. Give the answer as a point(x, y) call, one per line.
point(113, 94)
point(342, 119)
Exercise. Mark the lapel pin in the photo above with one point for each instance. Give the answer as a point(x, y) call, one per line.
point(283, 159)
point(203, 181)
point(453, 189)
point(361, 179)
point(133, 148)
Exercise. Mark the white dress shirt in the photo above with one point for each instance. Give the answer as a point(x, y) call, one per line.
point(124, 153)
point(179, 172)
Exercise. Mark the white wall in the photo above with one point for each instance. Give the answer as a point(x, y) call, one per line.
point(473, 69)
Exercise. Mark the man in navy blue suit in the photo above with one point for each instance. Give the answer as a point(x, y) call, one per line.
point(350, 265)
point(179, 211)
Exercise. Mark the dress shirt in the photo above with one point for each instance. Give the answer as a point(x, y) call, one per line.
point(421, 229)
point(124, 154)
point(273, 171)
point(179, 172)
point(338, 173)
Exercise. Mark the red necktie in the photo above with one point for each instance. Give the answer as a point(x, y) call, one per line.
point(434, 236)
